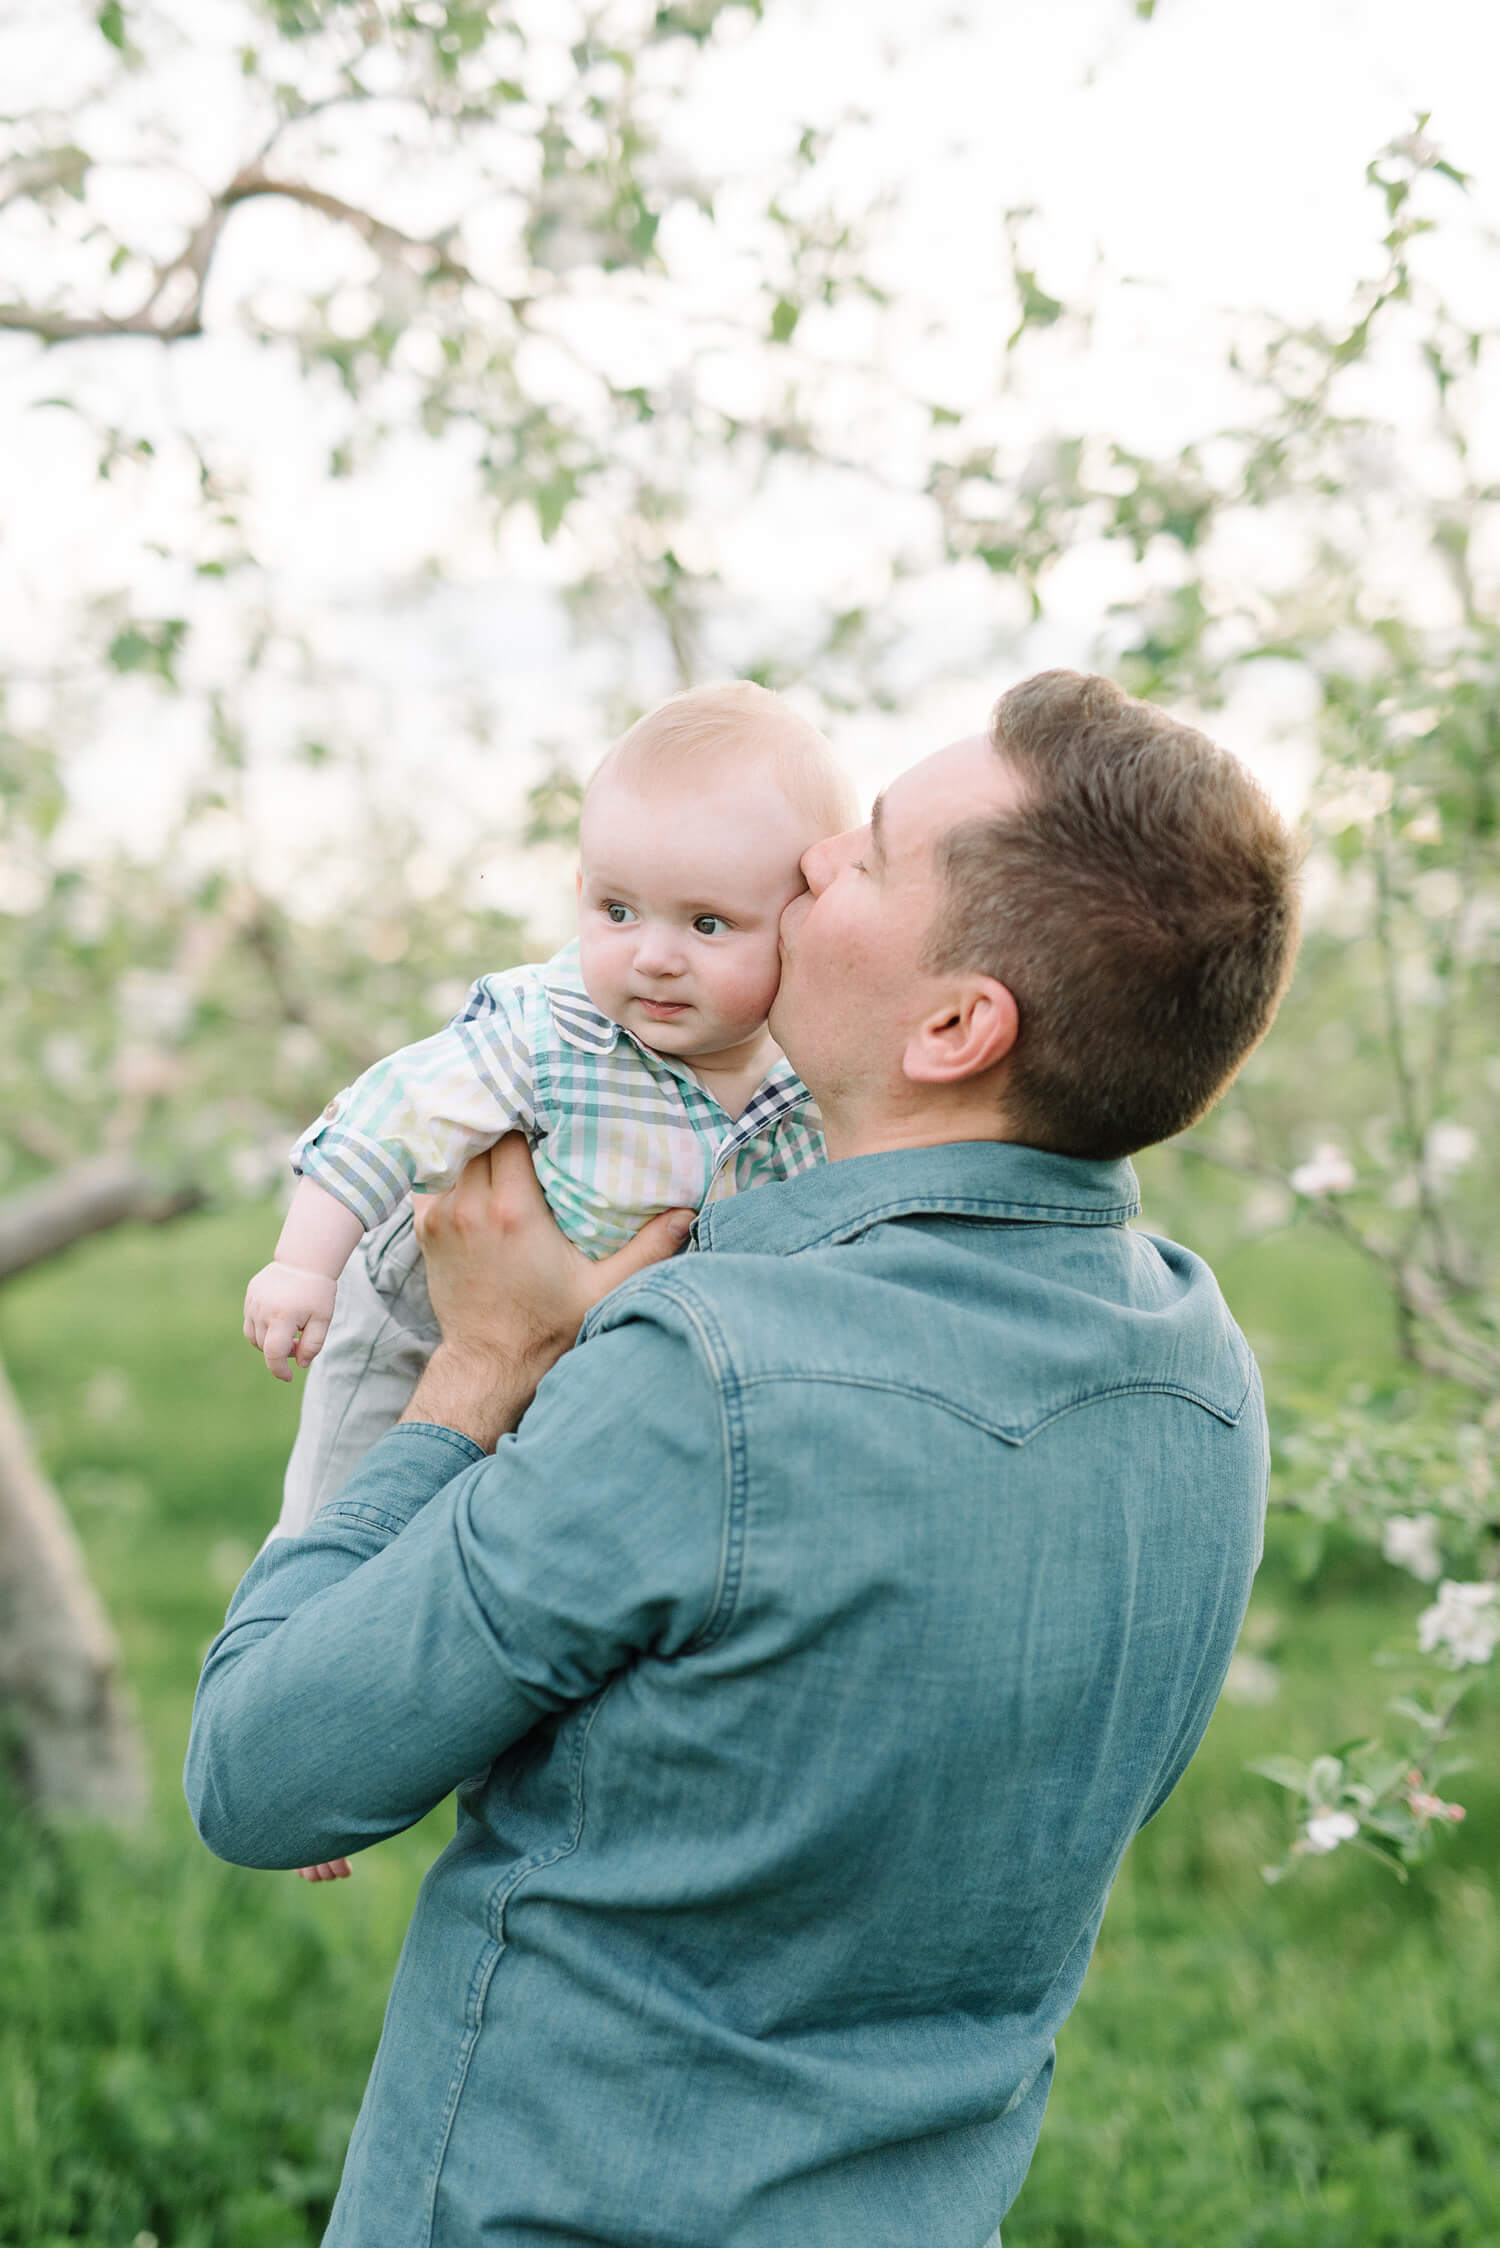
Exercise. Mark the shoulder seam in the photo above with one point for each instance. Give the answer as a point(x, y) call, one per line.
point(713, 1348)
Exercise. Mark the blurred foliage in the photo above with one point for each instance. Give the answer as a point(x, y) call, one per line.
point(502, 215)
point(183, 2044)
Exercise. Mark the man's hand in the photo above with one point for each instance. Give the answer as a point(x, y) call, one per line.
point(510, 1290)
point(285, 1305)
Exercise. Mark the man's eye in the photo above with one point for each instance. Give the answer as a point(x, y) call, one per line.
point(710, 924)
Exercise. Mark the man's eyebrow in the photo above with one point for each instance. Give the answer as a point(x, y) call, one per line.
point(877, 827)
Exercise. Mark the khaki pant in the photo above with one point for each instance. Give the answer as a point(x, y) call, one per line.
point(382, 1335)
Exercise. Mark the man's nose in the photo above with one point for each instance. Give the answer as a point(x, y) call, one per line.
point(822, 861)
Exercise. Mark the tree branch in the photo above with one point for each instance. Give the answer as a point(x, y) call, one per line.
point(84, 1199)
point(252, 182)
point(248, 185)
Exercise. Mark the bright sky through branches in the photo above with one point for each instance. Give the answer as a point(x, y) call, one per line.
point(1208, 161)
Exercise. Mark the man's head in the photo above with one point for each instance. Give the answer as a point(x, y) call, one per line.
point(690, 842)
point(1069, 932)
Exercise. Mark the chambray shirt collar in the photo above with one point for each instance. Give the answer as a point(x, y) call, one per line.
point(966, 1178)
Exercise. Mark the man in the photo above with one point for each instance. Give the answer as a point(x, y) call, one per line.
point(807, 1658)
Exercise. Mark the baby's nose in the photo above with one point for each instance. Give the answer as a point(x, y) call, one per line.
point(658, 950)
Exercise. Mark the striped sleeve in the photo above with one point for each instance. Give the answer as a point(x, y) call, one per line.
point(416, 1118)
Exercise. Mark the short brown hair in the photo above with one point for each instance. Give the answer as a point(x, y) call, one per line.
point(725, 726)
point(1141, 905)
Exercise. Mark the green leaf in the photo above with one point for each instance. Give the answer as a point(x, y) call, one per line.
point(1282, 1771)
point(111, 21)
point(551, 501)
point(784, 320)
point(1038, 310)
point(146, 647)
point(1325, 1778)
point(129, 650)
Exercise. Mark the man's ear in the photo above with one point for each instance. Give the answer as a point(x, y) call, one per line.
point(974, 1030)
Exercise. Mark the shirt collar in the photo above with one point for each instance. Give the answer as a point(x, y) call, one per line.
point(580, 1024)
point(578, 1021)
point(990, 1179)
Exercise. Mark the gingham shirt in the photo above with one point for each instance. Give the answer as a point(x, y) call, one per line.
point(617, 1132)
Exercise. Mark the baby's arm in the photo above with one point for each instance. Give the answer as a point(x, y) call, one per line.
point(412, 1120)
point(290, 1301)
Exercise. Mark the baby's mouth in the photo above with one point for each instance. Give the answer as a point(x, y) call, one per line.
point(663, 1009)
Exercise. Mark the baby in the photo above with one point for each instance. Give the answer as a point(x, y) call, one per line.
point(638, 1061)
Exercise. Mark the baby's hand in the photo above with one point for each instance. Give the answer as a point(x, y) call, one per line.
point(287, 1306)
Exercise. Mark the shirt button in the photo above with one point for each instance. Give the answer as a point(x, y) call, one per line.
point(332, 1109)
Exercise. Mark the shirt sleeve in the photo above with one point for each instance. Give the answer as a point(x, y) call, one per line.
point(447, 1602)
point(414, 1119)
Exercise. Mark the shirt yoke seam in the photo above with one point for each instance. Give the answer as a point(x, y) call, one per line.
point(1009, 1432)
point(979, 1207)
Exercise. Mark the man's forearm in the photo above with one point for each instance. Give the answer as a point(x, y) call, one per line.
point(481, 1395)
point(280, 1767)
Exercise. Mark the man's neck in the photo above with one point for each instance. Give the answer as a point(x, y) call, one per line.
point(887, 1132)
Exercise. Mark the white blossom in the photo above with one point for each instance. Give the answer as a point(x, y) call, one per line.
point(1410, 1541)
point(1252, 1681)
point(1449, 1148)
point(1327, 1829)
point(1265, 1207)
point(1462, 1625)
point(65, 1061)
point(1329, 1171)
point(152, 1005)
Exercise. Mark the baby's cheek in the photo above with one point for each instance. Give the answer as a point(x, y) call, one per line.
point(748, 994)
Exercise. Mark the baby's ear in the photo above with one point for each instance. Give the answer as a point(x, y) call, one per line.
point(578, 882)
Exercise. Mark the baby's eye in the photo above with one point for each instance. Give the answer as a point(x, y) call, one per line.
point(618, 914)
point(710, 924)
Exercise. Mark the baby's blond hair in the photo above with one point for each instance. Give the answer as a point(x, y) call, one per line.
point(719, 730)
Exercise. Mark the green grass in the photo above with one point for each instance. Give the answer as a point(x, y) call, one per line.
point(183, 2045)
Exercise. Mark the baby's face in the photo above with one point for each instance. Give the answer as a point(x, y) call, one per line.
point(680, 893)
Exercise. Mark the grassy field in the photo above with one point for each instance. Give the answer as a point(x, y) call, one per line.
point(183, 2045)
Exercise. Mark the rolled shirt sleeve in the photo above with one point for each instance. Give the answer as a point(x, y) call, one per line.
point(415, 1118)
point(448, 1602)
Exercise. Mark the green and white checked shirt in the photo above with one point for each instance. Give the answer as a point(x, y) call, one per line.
point(617, 1132)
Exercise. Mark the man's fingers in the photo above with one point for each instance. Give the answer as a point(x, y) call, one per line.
point(659, 1238)
point(332, 1869)
point(498, 1188)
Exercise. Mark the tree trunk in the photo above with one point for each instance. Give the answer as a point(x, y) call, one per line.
point(66, 1725)
point(72, 1736)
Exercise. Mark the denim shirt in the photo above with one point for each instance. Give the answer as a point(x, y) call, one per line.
point(804, 1663)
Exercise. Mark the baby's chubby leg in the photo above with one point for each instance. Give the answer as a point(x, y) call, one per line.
point(381, 1337)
